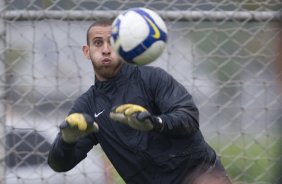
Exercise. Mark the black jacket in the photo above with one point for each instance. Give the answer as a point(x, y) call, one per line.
point(139, 157)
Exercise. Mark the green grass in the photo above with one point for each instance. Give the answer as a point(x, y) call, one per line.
point(250, 161)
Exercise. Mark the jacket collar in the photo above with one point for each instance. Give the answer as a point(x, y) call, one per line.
point(123, 76)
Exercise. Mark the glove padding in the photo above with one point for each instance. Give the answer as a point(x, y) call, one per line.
point(77, 125)
point(136, 117)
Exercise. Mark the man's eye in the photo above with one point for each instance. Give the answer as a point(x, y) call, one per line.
point(97, 43)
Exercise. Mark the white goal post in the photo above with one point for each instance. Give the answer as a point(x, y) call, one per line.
point(167, 15)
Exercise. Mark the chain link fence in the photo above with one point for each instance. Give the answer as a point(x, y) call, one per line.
point(222, 51)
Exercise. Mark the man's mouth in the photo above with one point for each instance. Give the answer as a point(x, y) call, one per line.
point(106, 61)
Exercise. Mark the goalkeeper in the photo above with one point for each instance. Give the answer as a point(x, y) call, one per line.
point(145, 121)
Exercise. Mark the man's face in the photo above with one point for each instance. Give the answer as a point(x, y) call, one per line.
point(105, 61)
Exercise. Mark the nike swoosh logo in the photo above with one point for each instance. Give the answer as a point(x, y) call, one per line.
point(96, 115)
point(157, 33)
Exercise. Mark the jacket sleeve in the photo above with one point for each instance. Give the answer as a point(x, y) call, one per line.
point(177, 108)
point(63, 156)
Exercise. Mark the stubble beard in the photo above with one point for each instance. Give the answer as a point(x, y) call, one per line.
point(107, 71)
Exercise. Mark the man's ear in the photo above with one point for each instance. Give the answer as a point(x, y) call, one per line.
point(85, 49)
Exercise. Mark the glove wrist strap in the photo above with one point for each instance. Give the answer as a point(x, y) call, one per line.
point(158, 124)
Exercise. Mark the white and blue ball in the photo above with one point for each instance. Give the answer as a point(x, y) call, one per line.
point(139, 36)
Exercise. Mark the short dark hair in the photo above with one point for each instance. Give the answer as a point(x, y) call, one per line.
point(101, 22)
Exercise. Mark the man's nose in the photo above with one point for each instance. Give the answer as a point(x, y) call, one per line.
point(107, 48)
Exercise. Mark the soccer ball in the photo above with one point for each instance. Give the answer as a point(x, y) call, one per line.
point(138, 36)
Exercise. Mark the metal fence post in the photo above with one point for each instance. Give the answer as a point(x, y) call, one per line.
point(2, 95)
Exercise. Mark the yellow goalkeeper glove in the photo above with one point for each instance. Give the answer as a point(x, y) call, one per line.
point(77, 125)
point(136, 117)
